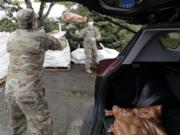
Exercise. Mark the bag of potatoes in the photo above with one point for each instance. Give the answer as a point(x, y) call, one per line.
point(73, 18)
point(138, 121)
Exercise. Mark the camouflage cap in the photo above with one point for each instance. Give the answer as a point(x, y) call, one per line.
point(25, 16)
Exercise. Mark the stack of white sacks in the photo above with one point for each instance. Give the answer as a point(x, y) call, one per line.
point(78, 55)
point(4, 55)
point(58, 58)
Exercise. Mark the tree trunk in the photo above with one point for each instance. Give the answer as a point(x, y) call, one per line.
point(41, 10)
point(49, 10)
point(28, 4)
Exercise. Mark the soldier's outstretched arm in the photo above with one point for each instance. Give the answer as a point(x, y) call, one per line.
point(98, 34)
point(51, 43)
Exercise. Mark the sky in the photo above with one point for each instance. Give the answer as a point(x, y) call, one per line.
point(56, 10)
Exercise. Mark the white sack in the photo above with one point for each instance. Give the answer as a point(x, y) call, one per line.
point(4, 63)
point(58, 58)
point(3, 43)
point(58, 34)
point(78, 55)
point(4, 55)
point(106, 53)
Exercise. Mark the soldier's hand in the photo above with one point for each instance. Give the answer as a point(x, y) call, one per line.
point(93, 39)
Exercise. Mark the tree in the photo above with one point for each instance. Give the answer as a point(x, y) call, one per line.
point(41, 15)
point(115, 32)
point(14, 5)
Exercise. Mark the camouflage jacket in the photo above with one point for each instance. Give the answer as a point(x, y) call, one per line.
point(88, 34)
point(27, 51)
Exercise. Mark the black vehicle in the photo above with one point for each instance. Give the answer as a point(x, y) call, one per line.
point(147, 72)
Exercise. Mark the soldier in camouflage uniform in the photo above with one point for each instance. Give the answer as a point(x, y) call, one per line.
point(24, 87)
point(91, 35)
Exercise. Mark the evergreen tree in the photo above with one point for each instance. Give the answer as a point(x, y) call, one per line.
point(112, 29)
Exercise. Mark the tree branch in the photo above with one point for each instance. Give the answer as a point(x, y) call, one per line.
point(49, 9)
point(114, 22)
point(41, 10)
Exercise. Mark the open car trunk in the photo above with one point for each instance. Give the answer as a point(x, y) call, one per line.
point(147, 84)
point(141, 12)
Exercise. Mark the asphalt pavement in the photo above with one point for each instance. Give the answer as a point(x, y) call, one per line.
point(69, 95)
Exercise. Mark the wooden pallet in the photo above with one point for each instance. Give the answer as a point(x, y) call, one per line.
point(2, 80)
point(58, 68)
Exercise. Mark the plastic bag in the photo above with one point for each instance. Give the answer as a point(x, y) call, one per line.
point(57, 34)
point(143, 121)
point(58, 58)
point(106, 53)
point(74, 18)
point(79, 57)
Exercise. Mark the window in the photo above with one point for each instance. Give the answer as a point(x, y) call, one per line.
point(171, 40)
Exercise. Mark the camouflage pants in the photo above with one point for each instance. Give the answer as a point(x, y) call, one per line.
point(90, 50)
point(29, 108)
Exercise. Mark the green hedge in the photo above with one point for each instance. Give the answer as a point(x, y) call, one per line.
point(8, 25)
point(50, 25)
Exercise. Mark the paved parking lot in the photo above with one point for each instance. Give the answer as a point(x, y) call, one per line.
point(69, 94)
